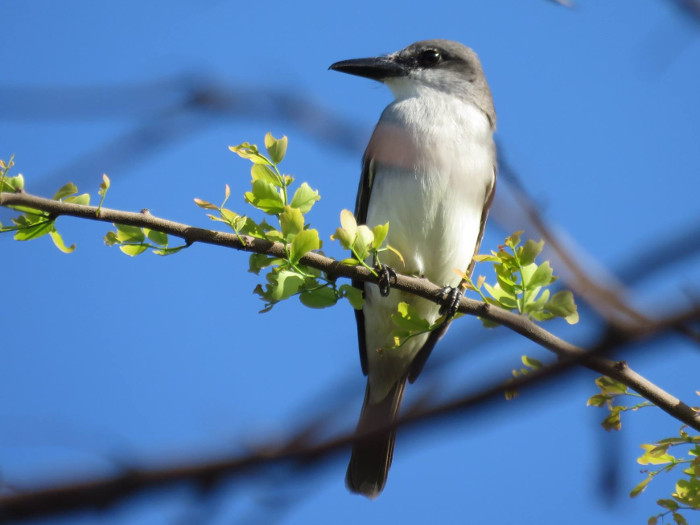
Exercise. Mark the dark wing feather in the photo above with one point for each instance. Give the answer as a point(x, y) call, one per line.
point(361, 207)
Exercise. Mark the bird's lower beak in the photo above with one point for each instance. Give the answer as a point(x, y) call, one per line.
point(376, 68)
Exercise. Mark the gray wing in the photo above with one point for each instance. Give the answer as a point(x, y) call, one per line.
point(361, 206)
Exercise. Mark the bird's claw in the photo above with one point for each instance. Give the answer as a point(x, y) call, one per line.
point(451, 297)
point(386, 274)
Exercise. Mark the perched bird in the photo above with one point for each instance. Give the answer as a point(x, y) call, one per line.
point(430, 171)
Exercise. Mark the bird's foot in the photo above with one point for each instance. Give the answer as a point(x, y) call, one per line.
point(451, 297)
point(386, 274)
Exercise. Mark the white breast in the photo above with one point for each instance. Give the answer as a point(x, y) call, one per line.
point(434, 163)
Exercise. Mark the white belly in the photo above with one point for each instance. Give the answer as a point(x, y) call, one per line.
point(432, 172)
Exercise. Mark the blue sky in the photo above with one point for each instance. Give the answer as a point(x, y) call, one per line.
point(106, 359)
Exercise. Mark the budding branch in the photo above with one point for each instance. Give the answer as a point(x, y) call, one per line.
point(420, 287)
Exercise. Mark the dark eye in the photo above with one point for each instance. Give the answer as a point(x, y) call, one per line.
point(429, 57)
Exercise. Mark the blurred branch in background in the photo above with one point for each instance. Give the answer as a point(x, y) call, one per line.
point(304, 446)
point(688, 9)
point(174, 109)
point(300, 452)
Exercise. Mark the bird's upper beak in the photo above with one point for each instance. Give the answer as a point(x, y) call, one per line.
point(376, 68)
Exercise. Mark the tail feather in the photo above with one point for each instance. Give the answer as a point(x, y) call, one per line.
point(371, 457)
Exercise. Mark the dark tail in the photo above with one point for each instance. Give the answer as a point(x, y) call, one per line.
point(371, 457)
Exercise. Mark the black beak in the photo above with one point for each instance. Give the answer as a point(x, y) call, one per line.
point(376, 68)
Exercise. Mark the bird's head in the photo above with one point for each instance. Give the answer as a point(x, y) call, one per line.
point(429, 65)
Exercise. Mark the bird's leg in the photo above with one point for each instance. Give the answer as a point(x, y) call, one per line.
point(451, 297)
point(386, 274)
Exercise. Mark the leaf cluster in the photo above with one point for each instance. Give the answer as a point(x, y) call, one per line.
point(686, 496)
point(133, 240)
point(530, 364)
point(270, 194)
point(364, 243)
point(522, 284)
point(611, 391)
point(32, 224)
point(687, 493)
point(409, 323)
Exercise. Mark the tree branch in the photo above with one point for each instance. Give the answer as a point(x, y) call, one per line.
point(299, 449)
point(419, 287)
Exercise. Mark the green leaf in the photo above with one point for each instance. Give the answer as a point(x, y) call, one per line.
point(355, 296)
point(612, 421)
point(111, 239)
point(526, 273)
point(58, 241)
point(486, 258)
point(265, 197)
point(597, 400)
point(83, 200)
point(609, 385)
point(34, 232)
point(688, 492)
point(132, 250)
point(506, 284)
point(514, 239)
point(104, 185)
point(380, 232)
point(169, 251)
point(487, 323)
point(407, 317)
point(304, 198)
point(659, 450)
point(264, 172)
point(668, 504)
point(541, 316)
point(537, 304)
point(206, 205)
point(276, 148)
point(127, 233)
point(529, 251)
point(562, 304)
point(274, 235)
point(531, 362)
point(304, 242)
point(235, 221)
point(291, 222)
point(654, 455)
point(504, 298)
point(30, 215)
point(344, 237)
point(397, 253)
point(636, 491)
point(322, 297)
point(285, 284)
point(363, 241)
point(156, 236)
point(542, 276)
point(259, 261)
point(653, 520)
point(348, 230)
point(12, 184)
point(250, 152)
point(65, 191)
point(679, 519)
point(348, 222)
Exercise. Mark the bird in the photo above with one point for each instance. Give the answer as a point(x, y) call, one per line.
point(429, 170)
